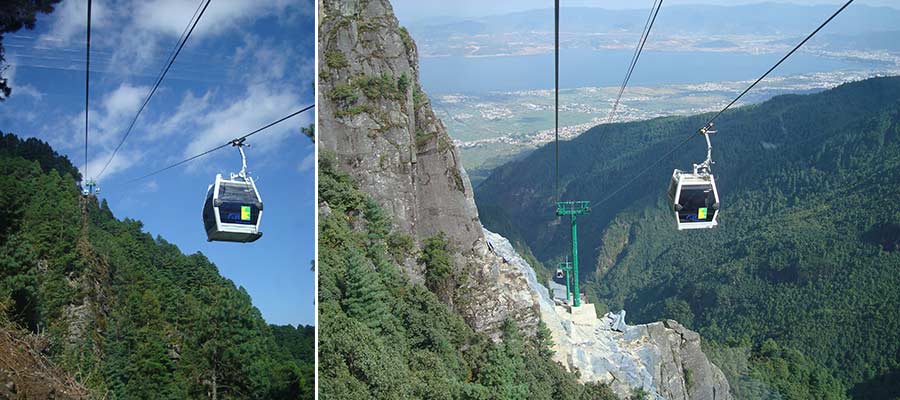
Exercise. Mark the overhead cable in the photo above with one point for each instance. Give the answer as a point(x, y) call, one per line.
point(162, 75)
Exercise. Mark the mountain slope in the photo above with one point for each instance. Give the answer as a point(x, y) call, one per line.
point(384, 337)
point(806, 254)
point(130, 315)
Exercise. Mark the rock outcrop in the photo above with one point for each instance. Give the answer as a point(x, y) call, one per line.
point(662, 358)
point(27, 373)
point(379, 124)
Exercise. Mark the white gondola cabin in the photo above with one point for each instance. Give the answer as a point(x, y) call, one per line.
point(233, 208)
point(694, 197)
point(695, 200)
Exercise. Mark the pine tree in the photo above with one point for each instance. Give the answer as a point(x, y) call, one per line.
point(438, 266)
point(365, 293)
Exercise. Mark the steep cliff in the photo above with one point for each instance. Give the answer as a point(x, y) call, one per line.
point(380, 126)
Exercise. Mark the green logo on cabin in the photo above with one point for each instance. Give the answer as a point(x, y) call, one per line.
point(245, 213)
point(701, 214)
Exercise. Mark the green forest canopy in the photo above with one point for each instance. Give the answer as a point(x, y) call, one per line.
point(804, 266)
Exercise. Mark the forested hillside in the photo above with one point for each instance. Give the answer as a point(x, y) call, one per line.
point(128, 314)
point(382, 337)
point(803, 274)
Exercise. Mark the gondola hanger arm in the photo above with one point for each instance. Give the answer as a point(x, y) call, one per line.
point(706, 165)
point(239, 143)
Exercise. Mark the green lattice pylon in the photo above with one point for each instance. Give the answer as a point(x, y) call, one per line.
point(573, 209)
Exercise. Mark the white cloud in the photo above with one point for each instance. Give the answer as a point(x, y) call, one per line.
point(308, 163)
point(150, 187)
point(260, 105)
point(139, 35)
point(166, 18)
point(262, 61)
point(124, 159)
point(69, 21)
point(109, 121)
point(183, 119)
point(28, 91)
point(171, 16)
point(126, 99)
point(20, 90)
point(264, 79)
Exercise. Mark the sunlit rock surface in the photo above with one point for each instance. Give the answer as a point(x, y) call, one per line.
point(663, 358)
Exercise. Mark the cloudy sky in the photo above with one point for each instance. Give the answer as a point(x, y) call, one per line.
point(411, 10)
point(247, 63)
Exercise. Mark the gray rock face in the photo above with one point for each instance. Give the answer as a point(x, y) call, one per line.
point(388, 138)
point(380, 126)
point(663, 358)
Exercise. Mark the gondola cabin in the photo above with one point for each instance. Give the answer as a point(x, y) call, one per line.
point(695, 200)
point(233, 210)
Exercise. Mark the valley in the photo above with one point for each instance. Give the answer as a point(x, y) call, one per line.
point(800, 276)
point(491, 78)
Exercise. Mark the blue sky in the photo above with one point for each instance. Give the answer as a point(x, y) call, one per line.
point(246, 64)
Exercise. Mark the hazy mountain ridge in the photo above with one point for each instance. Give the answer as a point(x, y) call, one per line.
point(757, 19)
point(741, 28)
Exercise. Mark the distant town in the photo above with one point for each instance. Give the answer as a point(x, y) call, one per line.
point(513, 122)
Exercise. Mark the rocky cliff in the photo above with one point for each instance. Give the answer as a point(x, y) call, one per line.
point(662, 358)
point(380, 126)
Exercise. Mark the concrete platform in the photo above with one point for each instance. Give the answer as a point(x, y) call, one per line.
point(586, 314)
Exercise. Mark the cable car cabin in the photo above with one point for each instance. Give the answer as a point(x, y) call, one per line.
point(695, 200)
point(232, 210)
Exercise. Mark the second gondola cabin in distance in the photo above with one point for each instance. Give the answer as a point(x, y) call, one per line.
point(233, 208)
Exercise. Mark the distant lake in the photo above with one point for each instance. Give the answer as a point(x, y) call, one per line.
point(581, 68)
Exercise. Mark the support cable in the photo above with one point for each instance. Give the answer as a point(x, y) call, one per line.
point(556, 90)
point(709, 123)
point(192, 24)
point(638, 50)
point(790, 53)
point(654, 11)
point(229, 143)
point(87, 85)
